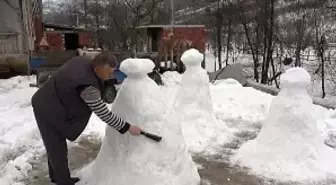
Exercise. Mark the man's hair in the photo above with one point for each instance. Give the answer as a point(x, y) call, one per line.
point(103, 58)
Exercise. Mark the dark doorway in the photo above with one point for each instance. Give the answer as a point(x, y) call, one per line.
point(71, 41)
point(155, 42)
point(154, 33)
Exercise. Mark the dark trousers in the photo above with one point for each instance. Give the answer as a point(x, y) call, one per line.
point(57, 152)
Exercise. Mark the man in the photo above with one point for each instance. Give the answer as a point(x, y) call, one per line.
point(64, 104)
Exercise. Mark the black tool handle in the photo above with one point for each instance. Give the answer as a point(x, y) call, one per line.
point(152, 136)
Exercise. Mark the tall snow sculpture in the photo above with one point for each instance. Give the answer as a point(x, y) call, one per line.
point(289, 146)
point(137, 160)
point(193, 105)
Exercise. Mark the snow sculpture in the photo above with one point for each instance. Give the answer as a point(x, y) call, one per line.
point(289, 146)
point(195, 81)
point(193, 105)
point(137, 160)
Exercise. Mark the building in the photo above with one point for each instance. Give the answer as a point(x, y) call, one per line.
point(17, 30)
point(57, 44)
point(169, 42)
point(59, 38)
point(23, 36)
point(17, 34)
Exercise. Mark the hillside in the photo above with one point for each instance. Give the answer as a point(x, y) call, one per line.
point(236, 7)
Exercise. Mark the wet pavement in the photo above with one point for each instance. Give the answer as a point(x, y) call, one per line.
point(214, 170)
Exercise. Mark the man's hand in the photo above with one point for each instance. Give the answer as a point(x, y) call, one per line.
point(134, 130)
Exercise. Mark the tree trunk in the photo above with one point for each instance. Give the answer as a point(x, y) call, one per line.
point(321, 53)
point(265, 37)
point(98, 25)
point(274, 74)
point(322, 71)
point(268, 40)
point(85, 14)
point(228, 41)
point(250, 33)
point(219, 36)
point(300, 31)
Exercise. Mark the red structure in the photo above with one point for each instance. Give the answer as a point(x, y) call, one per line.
point(59, 37)
point(169, 42)
point(183, 37)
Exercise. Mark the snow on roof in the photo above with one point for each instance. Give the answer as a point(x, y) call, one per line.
point(169, 26)
point(63, 27)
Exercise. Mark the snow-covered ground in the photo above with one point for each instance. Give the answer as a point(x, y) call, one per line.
point(242, 109)
point(309, 60)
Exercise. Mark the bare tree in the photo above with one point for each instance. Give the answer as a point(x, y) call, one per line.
point(219, 34)
point(321, 50)
point(268, 38)
point(300, 34)
point(141, 10)
point(252, 34)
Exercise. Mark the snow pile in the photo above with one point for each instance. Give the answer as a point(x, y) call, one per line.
point(171, 81)
point(329, 128)
point(289, 146)
point(241, 108)
point(19, 82)
point(171, 78)
point(19, 137)
point(193, 107)
point(228, 82)
point(137, 160)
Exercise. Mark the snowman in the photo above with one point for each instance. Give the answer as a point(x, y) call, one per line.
point(137, 160)
point(193, 105)
point(289, 146)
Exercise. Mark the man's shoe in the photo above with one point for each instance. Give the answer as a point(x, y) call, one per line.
point(73, 180)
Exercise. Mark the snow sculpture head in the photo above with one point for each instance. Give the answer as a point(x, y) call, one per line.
point(133, 102)
point(136, 67)
point(296, 77)
point(192, 57)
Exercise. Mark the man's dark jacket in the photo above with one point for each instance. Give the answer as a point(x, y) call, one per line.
point(58, 102)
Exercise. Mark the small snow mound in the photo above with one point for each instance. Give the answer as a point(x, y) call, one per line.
point(192, 57)
point(295, 77)
point(228, 82)
point(170, 78)
point(136, 66)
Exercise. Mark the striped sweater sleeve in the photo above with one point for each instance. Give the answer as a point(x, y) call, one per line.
point(92, 98)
